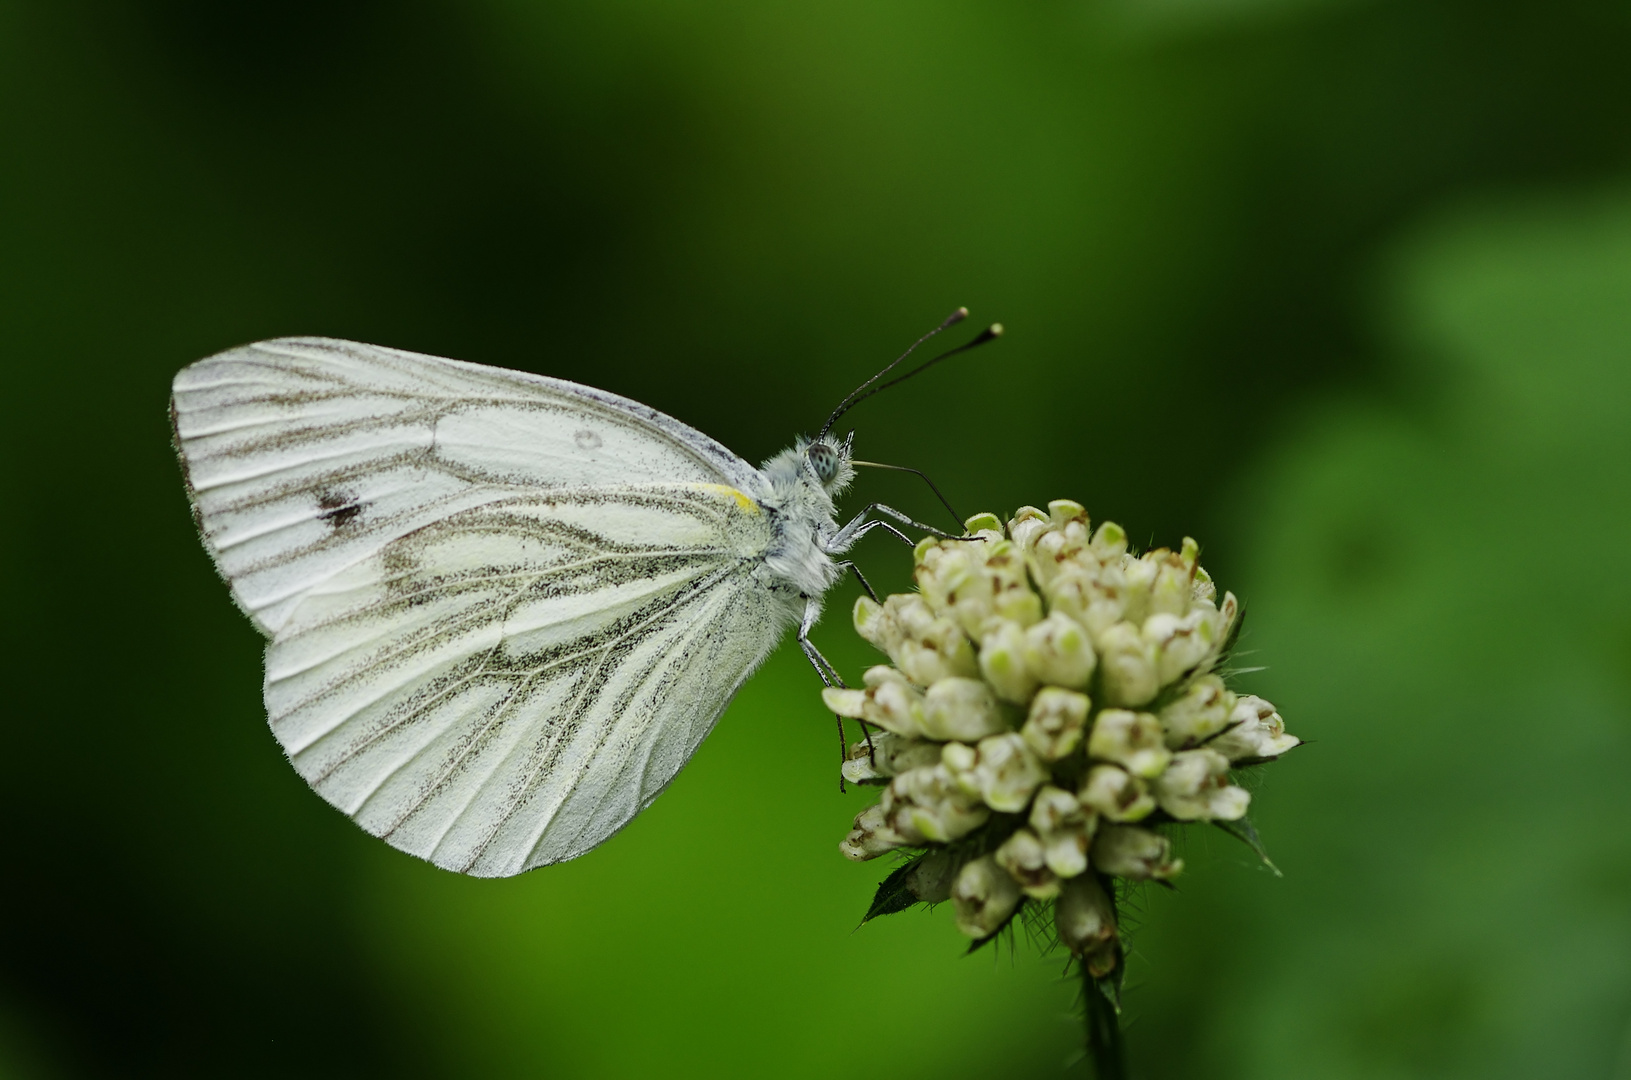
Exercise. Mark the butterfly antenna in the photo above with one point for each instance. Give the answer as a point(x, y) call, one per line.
point(989, 334)
point(866, 389)
point(855, 395)
point(925, 477)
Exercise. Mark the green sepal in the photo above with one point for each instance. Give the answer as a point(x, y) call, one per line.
point(1244, 831)
point(894, 894)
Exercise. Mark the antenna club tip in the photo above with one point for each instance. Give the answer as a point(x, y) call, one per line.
point(955, 317)
point(995, 330)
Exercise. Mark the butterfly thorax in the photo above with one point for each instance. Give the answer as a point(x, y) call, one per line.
point(800, 502)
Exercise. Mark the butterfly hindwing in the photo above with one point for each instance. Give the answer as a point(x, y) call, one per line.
point(510, 685)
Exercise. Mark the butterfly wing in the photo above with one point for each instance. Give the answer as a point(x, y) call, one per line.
point(303, 455)
point(509, 685)
point(486, 655)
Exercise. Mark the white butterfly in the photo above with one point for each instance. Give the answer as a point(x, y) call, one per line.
point(503, 609)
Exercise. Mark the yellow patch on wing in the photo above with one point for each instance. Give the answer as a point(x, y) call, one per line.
point(742, 500)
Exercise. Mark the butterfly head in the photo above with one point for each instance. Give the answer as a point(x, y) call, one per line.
point(828, 460)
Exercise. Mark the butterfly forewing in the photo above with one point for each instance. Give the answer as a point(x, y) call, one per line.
point(504, 610)
point(303, 455)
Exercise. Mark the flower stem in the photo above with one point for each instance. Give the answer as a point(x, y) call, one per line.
point(1104, 1043)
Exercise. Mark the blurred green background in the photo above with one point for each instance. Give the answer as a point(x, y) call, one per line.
point(1340, 287)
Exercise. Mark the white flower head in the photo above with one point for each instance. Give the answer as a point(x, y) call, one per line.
point(1050, 698)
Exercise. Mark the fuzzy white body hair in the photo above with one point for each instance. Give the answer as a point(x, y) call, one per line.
point(798, 562)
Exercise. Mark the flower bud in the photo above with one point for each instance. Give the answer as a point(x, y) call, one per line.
point(1064, 511)
point(1228, 615)
point(957, 585)
point(942, 572)
point(925, 646)
point(983, 523)
point(1011, 595)
point(961, 758)
point(927, 804)
point(1139, 575)
point(1103, 960)
point(959, 708)
point(1116, 794)
point(1133, 740)
point(871, 836)
point(1196, 787)
point(1084, 917)
point(1258, 732)
point(1002, 661)
point(1053, 729)
point(1109, 542)
point(1065, 828)
point(889, 701)
point(1007, 773)
point(950, 655)
point(1181, 642)
point(1058, 653)
point(1130, 852)
point(1126, 666)
point(984, 895)
point(930, 878)
point(1170, 591)
point(1200, 582)
point(1200, 713)
point(1202, 587)
point(1086, 598)
point(873, 625)
point(1061, 550)
point(1027, 524)
point(886, 754)
point(1023, 857)
point(911, 615)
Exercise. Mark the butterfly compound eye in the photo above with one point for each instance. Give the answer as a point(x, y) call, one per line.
point(823, 458)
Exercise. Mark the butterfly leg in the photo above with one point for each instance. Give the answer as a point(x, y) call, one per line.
point(829, 676)
point(859, 525)
point(824, 668)
point(865, 584)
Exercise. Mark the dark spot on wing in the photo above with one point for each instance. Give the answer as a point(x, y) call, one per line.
point(339, 508)
point(586, 439)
